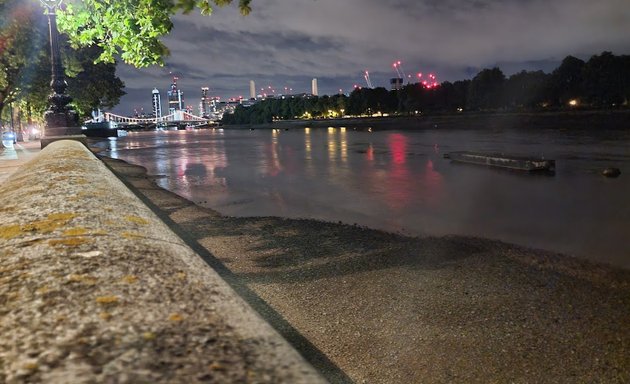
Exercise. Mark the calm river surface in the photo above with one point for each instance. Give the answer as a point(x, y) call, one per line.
point(399, 181)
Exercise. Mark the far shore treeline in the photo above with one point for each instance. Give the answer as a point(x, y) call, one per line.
point(602, 82)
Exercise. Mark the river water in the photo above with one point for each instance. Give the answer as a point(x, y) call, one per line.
point(399, 181)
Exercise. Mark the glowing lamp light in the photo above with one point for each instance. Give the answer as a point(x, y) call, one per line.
point(51, 4)
point(573, 102)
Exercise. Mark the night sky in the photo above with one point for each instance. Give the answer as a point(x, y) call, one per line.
point(286, 43)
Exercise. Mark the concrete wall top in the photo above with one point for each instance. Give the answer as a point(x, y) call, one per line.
point(95, 288)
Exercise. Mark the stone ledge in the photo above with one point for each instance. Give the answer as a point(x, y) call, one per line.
point(46, 140)
point(95, 288)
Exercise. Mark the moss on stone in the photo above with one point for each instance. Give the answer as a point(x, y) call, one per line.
point(84, 279)
point(10, 231)
point(78, 231)
point(131, 235)
point(107, 300)
point(69, 242)
point(105, 315)
point(130, 279)
point(136, 220)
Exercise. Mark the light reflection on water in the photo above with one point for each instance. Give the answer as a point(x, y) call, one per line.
point(399, 181)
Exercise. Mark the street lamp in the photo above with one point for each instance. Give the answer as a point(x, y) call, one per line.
point(60, 120)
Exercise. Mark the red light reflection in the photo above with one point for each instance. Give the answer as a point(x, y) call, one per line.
point(399, 185)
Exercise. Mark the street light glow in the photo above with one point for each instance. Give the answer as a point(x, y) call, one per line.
point(51, 4)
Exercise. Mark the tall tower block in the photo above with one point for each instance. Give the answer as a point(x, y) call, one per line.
point(203, 104)
point(252, 89)
point(157, 103)
point(175, 98)
point(314, 90)
point(396, 83)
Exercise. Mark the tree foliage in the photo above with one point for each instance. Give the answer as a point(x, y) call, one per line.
point(21, 45)
point(92, 85)
point(525, 90)
point(567, 80)
point(486, 89)
point(25, 71)
point(129, 28)
point(606, 79)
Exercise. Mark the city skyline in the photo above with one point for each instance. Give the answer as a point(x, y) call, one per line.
point(288, 45)
point(175, 98)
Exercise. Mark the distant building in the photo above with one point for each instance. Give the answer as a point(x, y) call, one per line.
point(314, 90)
point(396, 83)
point(175, 98)
point(157, 103)
point(252, 89)
point(203, 104)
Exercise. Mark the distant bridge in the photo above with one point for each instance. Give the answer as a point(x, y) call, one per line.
point(175, 117)
point(179, 119)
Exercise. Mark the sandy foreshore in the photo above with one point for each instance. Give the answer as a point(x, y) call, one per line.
point(375, 307)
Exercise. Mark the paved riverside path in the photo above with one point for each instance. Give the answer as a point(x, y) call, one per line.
point(95, 288)
point(12, 158)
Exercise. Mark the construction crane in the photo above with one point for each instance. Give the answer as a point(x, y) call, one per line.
point(399, 70)
point(367, 79)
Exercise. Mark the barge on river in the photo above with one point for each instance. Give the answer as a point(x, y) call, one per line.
point(499, 160)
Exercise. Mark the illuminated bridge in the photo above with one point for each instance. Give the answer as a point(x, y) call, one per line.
point(177, 119)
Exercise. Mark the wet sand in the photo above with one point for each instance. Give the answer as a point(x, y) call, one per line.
point(368, 306)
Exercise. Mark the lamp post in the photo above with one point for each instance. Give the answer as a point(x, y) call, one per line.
point(60, 120)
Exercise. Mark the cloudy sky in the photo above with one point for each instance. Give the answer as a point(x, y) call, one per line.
point(286, 43)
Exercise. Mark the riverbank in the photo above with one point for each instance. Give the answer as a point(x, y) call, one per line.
point(569, 120)
point(371, 306)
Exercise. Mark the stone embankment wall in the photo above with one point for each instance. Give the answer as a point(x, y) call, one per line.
point(95, 288)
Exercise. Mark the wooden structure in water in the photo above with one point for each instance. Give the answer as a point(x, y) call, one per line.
point(519, 163)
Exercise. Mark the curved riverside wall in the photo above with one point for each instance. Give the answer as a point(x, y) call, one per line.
point(95, 288)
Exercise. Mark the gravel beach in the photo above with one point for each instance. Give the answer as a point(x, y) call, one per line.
point(367, 306)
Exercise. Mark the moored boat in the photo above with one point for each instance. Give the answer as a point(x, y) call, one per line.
point(500, 160)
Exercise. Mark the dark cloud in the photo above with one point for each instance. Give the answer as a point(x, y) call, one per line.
point(287, 43)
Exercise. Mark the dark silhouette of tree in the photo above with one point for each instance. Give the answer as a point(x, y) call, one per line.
point(486, 90)
point(526, 90)
point(566, 82)
point(605, 80)
point(358, 101)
